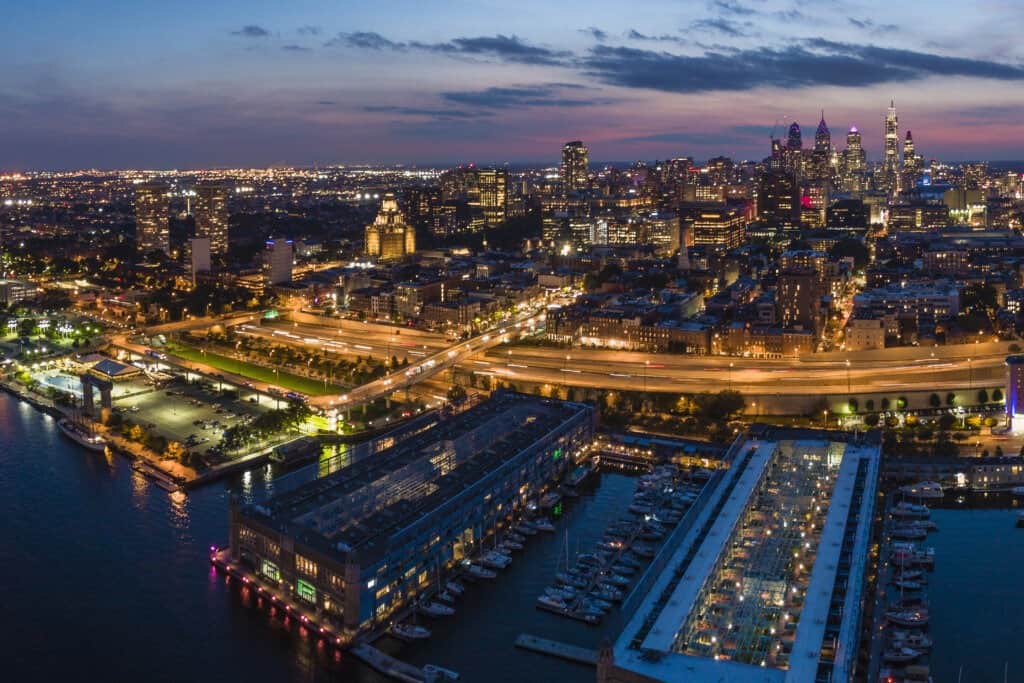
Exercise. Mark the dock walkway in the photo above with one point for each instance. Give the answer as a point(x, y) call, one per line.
point(573, 653)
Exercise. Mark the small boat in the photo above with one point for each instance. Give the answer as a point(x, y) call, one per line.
point(550, 500)
point(911, 510)
point(607, 593)
point(910, 533)
point(495, 561)
point(630, 562)
point(434, 609)
point(623, 569)
point(902, 655)
point(455, 588)
point(525, 528)
point(432, 672)
point(563, 593)
point(917, 641)
point(923, 490)
point(517, 538)
point(511, 545)
point(477, 572)
point(1017, 490)
point(446, 597)
point(616, 580)
point(908, 575)
point(544, 525)
point(643, 551)
point(908, 618)
point(409, 632)
point(907, 584)
point(551, 602)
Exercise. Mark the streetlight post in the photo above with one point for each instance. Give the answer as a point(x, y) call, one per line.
point(970, 375)
point(730, 375)
point(848, 392)
point(646, 365)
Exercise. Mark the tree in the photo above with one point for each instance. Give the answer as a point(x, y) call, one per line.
point(871, 420)
point(946, 421)
point(901, 403)
point(982, 396)
point(997, 395)
point(850, 247)
point(885, 404)
point(853, 404)
point(934, 401)
point(869, 404)
point(951, 399)
point(175, 451)
point(721, 406)
point(456, 394)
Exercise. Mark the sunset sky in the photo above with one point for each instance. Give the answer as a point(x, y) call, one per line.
point(98, 83)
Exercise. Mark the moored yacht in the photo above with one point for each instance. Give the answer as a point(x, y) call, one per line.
point(409, 632)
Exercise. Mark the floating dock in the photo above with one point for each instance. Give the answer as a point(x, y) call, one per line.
point(553, 648)
point(388, 665)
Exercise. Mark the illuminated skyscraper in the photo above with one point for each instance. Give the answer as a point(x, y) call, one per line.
point(211, 215)
point(492, 189)
point(389, 237)
point(854, 162)
point(891, 163)
point(822, 155)
point(794, 142)
point(278, 258)
point(575, 169)
point(913, 163)
point(778, 203)
point(793, 155)
point(822, 136)
point(152, 218)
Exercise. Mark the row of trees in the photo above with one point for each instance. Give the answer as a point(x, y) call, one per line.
point(266, 426)
point(934, 400)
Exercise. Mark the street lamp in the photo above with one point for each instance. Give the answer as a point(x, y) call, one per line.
point(848, 378)
point(730, 375)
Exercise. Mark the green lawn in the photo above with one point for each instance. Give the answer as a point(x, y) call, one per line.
point(282, 379)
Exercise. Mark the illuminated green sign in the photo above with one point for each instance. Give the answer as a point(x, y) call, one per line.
point(269, 570)
point(305, 590)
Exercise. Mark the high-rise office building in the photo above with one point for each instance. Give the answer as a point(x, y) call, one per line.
point(277, 261)
point(822, 155)
point(891, 163)
point(492, 189)
point(389, 237)
point(798, 299)
point(211, 215)
point(575, 170)
point(913, 163)
point(778, 201)
point(152, 218)
point(854, 162)
point(720, 227)
point(197, 256)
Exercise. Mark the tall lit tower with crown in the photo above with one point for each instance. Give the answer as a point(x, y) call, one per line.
point(891, 164)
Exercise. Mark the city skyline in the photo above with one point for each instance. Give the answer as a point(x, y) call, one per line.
point(194, 86)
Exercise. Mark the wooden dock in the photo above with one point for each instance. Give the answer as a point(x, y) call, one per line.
point(553, 648)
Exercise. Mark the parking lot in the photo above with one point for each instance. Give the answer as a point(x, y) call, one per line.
point(191, 414)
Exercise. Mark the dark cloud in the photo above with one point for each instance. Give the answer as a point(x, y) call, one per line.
point(517, 97)
point(251, 31)
point(506, 48)
point(365, 40)
point(595, 33)
point(732, 7)
point(295, 48)
point(426, 112)
point(733, 29)
point(309, 30)
point(809, 63)
point(870, 25)
point(633, 34)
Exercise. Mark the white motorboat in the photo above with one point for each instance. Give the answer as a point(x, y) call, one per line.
point(901, 655)
point(493, 559)
point(434, 609)
point(909, 510)
point(446, 597)
point(551, 602)
point(409, 632)
point(477, 572)
point(924, 490)
point(543, 525)
point(917, 641)
point(908, 618)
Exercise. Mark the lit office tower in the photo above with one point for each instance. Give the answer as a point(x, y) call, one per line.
point(211, 214)
point(793, 155)
point(854, 162)
point(389, 237)
point(794, 142)
point(492, 186)
point(575, 169)
point(912, 163)
point(778, 202)
point(197, 256)
point(822, 155)
point(277, 261)
point(891, 163)
point(152, 218)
